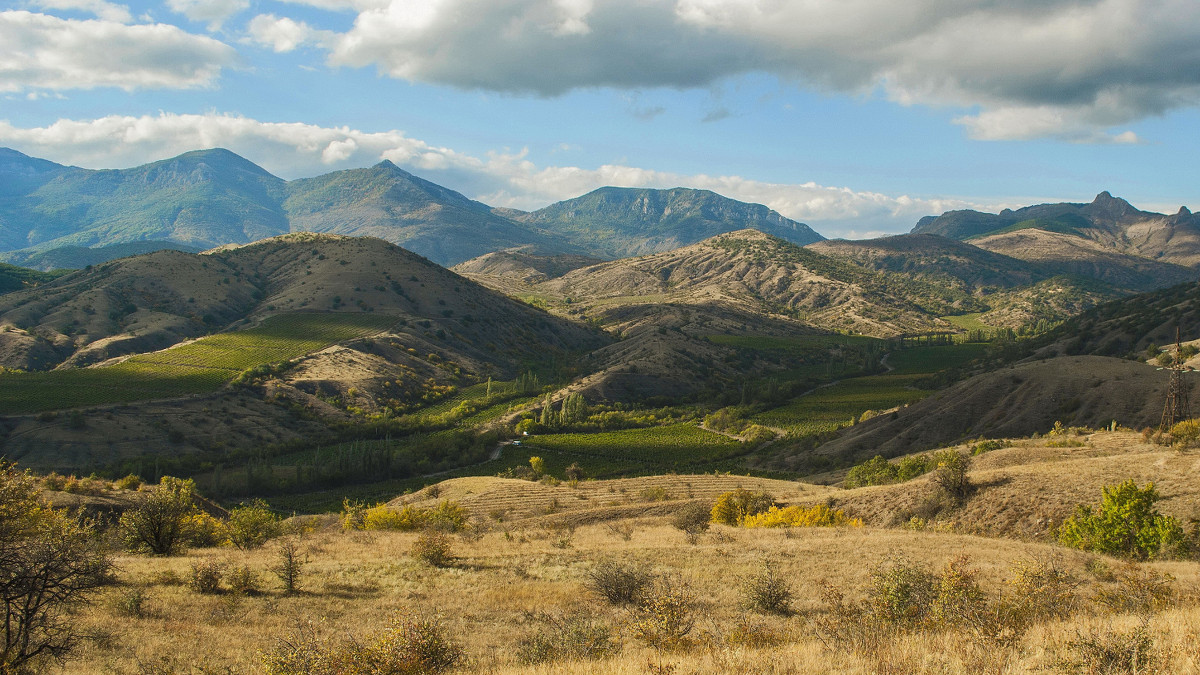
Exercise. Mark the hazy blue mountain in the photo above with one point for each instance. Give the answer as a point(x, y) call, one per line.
point(620, 222)
point(76, 257)
point(388, 202)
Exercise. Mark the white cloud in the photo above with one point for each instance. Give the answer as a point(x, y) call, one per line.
point(284, 35)
point(501, 178)
point(38, 51)
point(214, 12)
point(1085, 66)
point(99, 8)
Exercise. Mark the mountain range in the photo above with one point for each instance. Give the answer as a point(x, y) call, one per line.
point(210, 198)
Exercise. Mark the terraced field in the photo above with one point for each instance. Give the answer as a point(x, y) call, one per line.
point(198, 367)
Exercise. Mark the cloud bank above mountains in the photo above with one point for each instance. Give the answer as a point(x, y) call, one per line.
point(294, 150)
point(1067, 69)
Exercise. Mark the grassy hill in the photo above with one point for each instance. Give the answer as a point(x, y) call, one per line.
point(291, 322)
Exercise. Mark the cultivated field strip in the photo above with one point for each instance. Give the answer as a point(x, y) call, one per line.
point(198, 367)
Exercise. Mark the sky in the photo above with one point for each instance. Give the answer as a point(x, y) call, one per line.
point(856, 117)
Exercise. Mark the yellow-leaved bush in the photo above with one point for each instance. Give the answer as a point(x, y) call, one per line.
point(448, 515)
point(799, 516)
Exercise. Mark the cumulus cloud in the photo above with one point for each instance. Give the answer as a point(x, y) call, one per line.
point(38, 51)
point(1067, 67)
point(284, 35)
point(99, 8)
point(509, 179)
point(213, 12)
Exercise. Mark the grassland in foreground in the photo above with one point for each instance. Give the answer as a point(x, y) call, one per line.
point(526, 566)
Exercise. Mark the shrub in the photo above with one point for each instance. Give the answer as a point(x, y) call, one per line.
point(767, 592)
point(1112, 651)
point(130, 482)
point(1137, 590)
point(408, 646)
point(901, 593)
point(289, 566)
point(252, 525)
point(205, 576)
point(449, 516)
point(159, 523)
point(731, 507)
point(799, 516)
point(749, 633)
point(874, 471)
point(243, 581)
point(538, 466)
point(433, 548)
point(574, 472)
point(573, 637)
point(666, 615)
point(619, 584)
point(950, 476)
point(405, 519)
point(693, 517)
point(958, 599)
point(1186, 433)
point(131, 603)
point(1041, 590)
point(354, 515)
point(1126, 523)
point(205, 531)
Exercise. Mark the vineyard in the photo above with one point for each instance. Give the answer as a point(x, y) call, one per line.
point(662, 448)
point(198, 367)
point(840, 404)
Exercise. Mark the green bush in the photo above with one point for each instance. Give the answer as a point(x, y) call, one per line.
point(879, 471)
point(731, 507)
point(252, 525)
point(1126, 523)
point(902, 593)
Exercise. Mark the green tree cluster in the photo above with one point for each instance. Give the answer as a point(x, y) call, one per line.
point(1126, 523)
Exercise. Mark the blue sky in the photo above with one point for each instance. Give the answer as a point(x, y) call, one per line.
point(855, 116)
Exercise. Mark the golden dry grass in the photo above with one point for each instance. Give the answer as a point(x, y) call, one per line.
point(530, 561)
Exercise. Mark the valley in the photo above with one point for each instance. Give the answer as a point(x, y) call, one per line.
point(375, 362)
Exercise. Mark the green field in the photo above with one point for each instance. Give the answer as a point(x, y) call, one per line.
point(831, 407)
point(198, 367)
point(968, 322)
point(665, 448)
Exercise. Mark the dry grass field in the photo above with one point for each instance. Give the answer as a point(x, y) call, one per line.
point(532, 548)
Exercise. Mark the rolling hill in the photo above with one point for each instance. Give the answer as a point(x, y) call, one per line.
point(1108, 221)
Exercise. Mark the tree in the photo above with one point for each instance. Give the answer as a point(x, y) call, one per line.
point(159, 524)
point(49, 561)
point(1126, 523)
